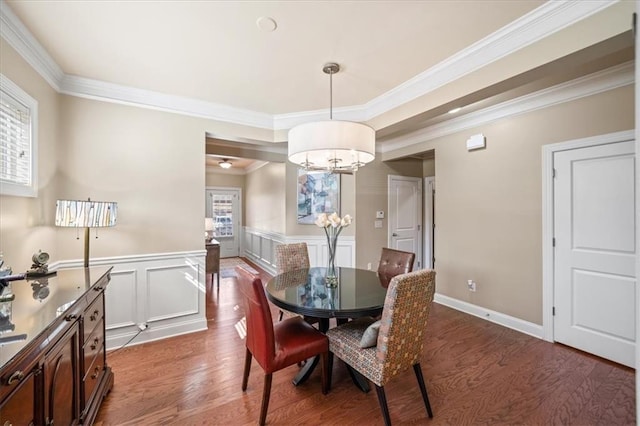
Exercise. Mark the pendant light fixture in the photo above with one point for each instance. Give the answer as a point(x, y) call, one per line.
point(225, 164)
point(333, 146)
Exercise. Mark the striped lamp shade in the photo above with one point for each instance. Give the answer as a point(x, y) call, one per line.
point(86, 214)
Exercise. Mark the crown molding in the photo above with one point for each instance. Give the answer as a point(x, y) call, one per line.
point(538, 24)
point(18, 37)
point(115, 93)
point(602, 81)
point(547, 19)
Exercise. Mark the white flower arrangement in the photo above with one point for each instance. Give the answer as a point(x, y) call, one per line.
point(333, 221)
point(332, 225)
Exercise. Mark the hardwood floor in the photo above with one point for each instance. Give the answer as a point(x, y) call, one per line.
point(476, 373)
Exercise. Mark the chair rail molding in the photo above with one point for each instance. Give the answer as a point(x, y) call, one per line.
point(259, 247)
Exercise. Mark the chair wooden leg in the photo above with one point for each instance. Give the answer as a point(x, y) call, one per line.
point(266, 393)
point(423, 388)
point(325, 372)
point(247, 368)
point(382, 399)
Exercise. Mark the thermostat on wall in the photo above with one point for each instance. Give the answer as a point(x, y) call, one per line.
point(380, 214)
point(475, 142)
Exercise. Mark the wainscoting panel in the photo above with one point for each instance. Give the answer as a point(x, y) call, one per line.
point(172, 292)
point(121, 299)
point(164, 292)
point(260, 248)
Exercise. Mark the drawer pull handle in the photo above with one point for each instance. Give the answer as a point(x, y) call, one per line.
point(94, 315)
point(15, 377)
point(96, 372)
point(98, 288)
point(70, 317)
point(95, 344)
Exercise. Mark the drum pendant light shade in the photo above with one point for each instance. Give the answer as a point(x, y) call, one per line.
point(333, 146)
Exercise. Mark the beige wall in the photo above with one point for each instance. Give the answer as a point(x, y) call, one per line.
point(224, 180)
point(151, 163)
point(265, 207)
point(26, 223)
point(488, 202)
point(371, 196)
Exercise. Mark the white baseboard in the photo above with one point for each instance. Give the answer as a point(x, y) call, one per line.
point(119, 338)
point(508, 321)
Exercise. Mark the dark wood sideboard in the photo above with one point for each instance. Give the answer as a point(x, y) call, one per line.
point(213, 260)
point(53, 364)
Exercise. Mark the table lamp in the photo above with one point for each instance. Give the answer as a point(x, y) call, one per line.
point(208, 229)
point(86, 214)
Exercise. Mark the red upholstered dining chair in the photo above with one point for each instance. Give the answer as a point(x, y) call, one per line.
point(394, 262)
point(380, 350)
point(276, 346)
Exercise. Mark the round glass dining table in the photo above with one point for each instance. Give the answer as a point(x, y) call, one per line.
point(358, 293)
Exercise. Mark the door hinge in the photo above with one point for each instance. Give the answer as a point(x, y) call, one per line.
point(553, 241)
point(553, 311)
point(553, 173)
point(419, 227)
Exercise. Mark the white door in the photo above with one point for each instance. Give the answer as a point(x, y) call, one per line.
point(594, 264)
point(405, 215)
point(429, 221)
point(223, 205)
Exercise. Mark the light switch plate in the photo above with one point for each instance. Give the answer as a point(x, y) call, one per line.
point(377, 224)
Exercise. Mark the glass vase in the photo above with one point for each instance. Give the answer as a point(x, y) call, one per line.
point(331, 277)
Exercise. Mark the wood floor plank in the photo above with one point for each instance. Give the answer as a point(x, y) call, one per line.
point(476, 372)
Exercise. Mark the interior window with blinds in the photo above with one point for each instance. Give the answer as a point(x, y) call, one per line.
point(18, 112)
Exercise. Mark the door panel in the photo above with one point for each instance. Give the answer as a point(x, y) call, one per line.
point(594, 274)
point(405, 215)
point(223, 205)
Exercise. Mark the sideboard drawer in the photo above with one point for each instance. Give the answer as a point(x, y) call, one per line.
point(92, 377)
point(92, 346)
point(93, 316)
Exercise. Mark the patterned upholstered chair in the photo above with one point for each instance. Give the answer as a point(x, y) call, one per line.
point(276, 346)
point(291, 257)
point(394, 262)
point(400, 339)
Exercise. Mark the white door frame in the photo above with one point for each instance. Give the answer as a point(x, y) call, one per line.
point(428, 246)
point(547, 216)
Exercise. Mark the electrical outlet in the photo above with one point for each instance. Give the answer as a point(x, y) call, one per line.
point(471, 284)
point(143, 326)
point(369, 266)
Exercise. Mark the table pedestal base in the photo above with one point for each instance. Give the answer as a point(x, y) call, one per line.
point(310, 365)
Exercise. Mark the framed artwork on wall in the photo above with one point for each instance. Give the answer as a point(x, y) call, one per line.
point(318, 192)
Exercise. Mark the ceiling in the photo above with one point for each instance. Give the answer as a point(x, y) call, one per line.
point(259, 63)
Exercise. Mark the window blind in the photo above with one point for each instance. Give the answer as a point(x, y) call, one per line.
point(15, 140)
point(18, 141)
